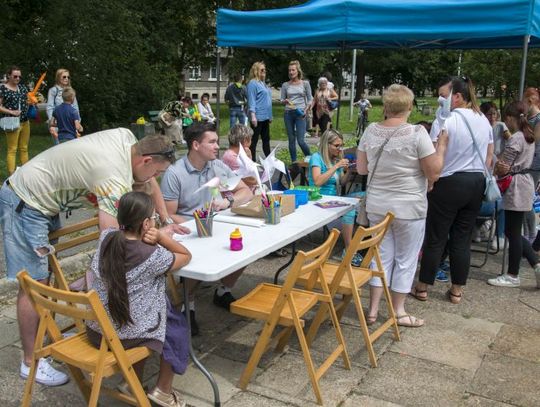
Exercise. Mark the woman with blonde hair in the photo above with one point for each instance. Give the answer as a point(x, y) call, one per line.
point(296, 96)
point(259, 98)
point(54, 96)
point(400, 160)
point(328, 171)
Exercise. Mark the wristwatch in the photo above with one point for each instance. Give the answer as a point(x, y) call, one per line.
point(230, 198)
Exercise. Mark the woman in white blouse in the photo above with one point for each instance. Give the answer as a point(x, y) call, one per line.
point(207, 115)
point(399, 159)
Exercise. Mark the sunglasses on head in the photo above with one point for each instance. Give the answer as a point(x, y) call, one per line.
point(169, 154)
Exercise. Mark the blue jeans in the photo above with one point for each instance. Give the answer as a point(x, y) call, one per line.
point(237, 113)
point(296, 131)
point(25, 231)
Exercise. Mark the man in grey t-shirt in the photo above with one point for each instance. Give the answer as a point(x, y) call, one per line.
point(178, 187)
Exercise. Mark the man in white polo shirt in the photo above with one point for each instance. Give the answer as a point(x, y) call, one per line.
point(188, 174)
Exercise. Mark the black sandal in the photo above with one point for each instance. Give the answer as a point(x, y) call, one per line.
point(415, 291)
point(454, 298)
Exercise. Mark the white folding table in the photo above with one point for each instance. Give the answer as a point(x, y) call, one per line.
point(212, 259)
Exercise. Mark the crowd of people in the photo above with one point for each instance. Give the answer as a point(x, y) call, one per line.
point(433, 182)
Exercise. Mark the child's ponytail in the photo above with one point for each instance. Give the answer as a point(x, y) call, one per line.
point(113, 272)
point(518, 110)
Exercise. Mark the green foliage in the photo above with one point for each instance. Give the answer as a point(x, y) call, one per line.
point(127, 56)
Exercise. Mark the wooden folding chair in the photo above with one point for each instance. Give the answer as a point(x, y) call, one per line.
point(78, 234)
point(77, 351)
point(347, 280)
point(66, 238)
point(285, 306)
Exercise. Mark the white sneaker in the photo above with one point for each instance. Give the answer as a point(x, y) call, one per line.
point(504, 281)
point(45, 374)
point(537, 273)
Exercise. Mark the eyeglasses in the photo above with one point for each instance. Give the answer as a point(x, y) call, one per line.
point(16, 76)
point(169, 154)
point(65, 77)
point(337, 145)
point(262, 70)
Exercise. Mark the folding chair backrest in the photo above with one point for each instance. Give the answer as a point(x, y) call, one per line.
point(365, 238)
point(308, 263)
point(48, 300)
point(69, 237)
point(368, 238)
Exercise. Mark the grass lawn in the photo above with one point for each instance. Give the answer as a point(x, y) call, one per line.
point(40, 139)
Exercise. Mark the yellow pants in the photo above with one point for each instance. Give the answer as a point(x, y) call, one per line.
point(17, 140)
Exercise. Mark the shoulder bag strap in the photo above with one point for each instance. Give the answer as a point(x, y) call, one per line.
point(379, 153)
point(474, 141)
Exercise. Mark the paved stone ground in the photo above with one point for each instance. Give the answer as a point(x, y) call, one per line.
point(483, 352)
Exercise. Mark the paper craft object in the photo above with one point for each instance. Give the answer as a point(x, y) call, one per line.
point(270, 164)
point(216, 184)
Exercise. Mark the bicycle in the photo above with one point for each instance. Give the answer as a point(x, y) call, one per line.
point(361, 123)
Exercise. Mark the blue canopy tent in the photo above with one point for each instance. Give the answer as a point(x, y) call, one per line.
point(364, 24)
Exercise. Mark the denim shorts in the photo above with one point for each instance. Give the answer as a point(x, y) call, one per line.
point(25, 230)
point(350, 217)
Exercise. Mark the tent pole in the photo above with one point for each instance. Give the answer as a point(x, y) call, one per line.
point(218, 85)
point(526, 39)
point(341, 64)
point(353, 87)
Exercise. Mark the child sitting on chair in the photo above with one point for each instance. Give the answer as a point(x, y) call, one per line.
point(129, 274)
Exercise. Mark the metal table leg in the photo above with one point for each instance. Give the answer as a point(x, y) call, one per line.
point(217, 402)
point(293, 254)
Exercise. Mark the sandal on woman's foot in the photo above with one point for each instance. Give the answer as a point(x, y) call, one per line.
point(454, 298)
point(416, 293)
point(371, 319)
point(409, 321)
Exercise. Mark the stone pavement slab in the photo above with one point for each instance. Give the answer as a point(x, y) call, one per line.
point(518, 342)
point(356, 400)
point(509, 380)
point(411, 381)
point(450, 340)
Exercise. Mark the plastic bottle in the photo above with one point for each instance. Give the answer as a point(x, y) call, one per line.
point(236, 240)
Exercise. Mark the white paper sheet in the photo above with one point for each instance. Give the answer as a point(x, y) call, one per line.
point(239, 220)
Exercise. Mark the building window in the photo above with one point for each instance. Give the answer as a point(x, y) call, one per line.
point(214, 95)
point(213, 74)
point(195, 73)
point(194, 96)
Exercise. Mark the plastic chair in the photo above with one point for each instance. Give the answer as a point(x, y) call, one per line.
point(286, 306)
point(347, 280)
point(77, 351)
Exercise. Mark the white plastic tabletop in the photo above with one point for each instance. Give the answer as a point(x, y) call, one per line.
point(212, 258)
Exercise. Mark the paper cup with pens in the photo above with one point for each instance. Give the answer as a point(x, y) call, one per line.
point(272, 209)
point(204, 220)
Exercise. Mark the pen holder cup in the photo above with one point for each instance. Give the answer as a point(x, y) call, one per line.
point(272, 216)
point(204, 226)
